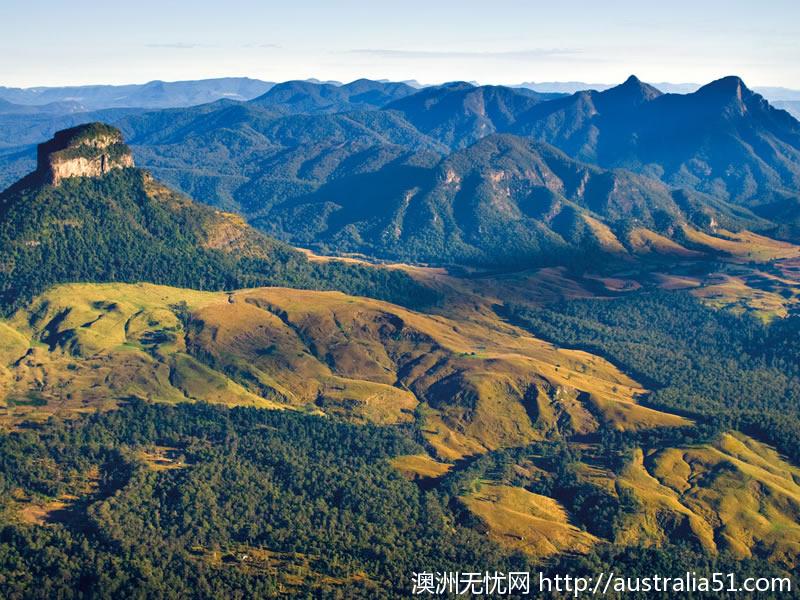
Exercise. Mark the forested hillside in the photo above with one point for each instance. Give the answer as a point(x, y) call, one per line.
point(338, 167)
point(125, 226)
point(700, 362)
point(589, 362)
point(174, 501)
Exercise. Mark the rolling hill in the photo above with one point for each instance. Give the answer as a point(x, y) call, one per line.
point(642, 424)
point(470, 386)
point(306, 97)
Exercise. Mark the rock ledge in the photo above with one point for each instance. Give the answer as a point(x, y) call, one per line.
point(90, 150)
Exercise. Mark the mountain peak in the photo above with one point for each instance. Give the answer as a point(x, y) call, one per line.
point(731, 85)
point(89, 150)
point(729, 95)
point(633, 89)
point(457, 85)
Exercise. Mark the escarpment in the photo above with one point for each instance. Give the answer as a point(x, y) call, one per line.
point(89, 150)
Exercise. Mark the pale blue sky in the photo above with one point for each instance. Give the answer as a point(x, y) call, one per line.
point(48, 42)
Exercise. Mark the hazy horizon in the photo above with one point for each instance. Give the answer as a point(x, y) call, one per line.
point(54, 44)
point(674, 86)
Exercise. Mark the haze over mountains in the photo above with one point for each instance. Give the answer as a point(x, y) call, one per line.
point(170, 94)
point(420, 174)
point(154, 94)
point(771, 93)
point(312, 97)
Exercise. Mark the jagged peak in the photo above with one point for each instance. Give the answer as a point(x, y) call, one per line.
point(88, 150)
point(633, 89)
point(732, 85)
point(728, 95)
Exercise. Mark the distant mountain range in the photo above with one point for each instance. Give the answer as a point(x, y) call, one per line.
point(780, 97)
point(570, 87)
point(771, 93)
point(632, 407)
point(293, 97)
point(51, 108)
point(445, 173)
point(503, 200)
point(458, 114)
point(163, 94)
point(791, 106)
point(155, 94)
point(724, 139)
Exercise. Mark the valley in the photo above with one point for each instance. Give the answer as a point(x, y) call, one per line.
point(468, 387)
point(474, 326)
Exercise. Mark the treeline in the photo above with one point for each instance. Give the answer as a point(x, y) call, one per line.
point(557, 476)
point(730, 369)
point(111, 229)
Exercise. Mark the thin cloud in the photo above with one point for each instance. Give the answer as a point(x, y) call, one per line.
point(191, 45)
point(179, 45)
point(252, 45)
point(528, 54)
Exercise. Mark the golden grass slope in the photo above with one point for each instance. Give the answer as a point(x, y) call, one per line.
point(419, 466)
point(735, 494)
point(471, 384)
point(742, 245)
point(475, 384)
point(522, 520)
point(83, 347)
point(645, 241)
point(478, 379)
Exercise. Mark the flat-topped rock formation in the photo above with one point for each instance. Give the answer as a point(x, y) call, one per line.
point(89, 150)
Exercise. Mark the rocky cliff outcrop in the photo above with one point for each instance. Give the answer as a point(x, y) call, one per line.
point(90, 150)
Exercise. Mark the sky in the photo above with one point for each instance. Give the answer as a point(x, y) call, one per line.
point(55, 42)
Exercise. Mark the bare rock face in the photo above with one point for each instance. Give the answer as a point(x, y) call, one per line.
point(90, 150)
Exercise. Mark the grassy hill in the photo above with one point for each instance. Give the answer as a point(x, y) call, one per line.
point(549, 418)
point(469, 386)
point(559, 431)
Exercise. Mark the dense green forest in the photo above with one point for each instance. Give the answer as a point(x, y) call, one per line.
point(732, 369)
point(111, 229)
point(319, 492)
point(290, 483)
point(202, 501)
